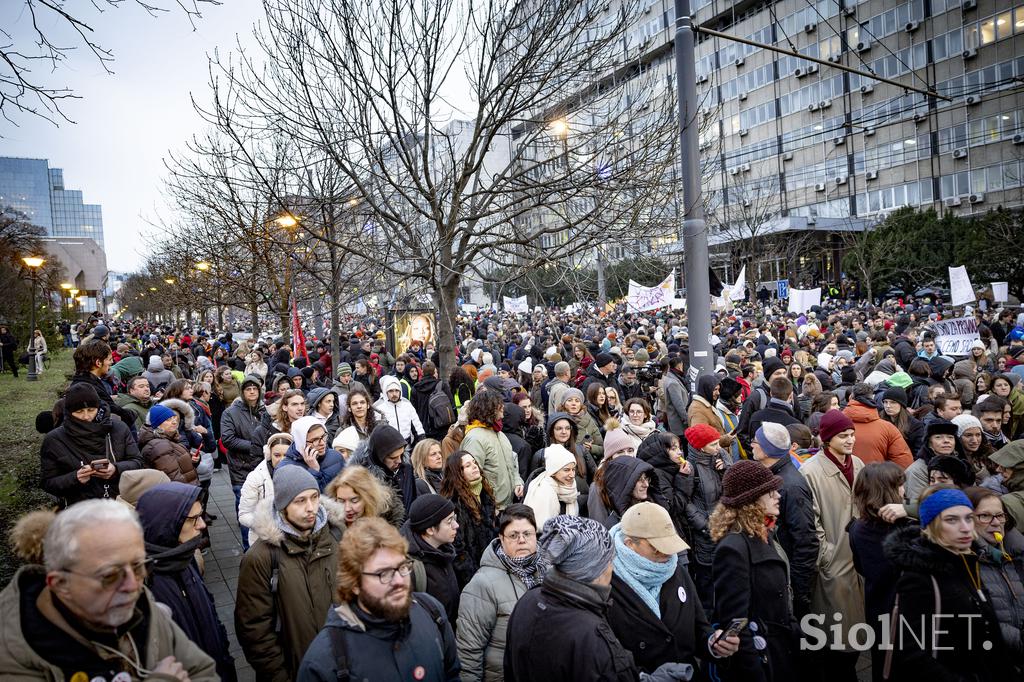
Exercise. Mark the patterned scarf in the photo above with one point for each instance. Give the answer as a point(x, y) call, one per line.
point(524, 568)
point(645, 577)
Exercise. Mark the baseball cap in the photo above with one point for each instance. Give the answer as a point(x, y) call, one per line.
point(651, 522)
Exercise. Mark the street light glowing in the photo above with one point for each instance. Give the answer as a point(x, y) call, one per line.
point(353, 202)
point(286, 220)
point(66, 286)
point(560, 127)
point(152, 288)
point(169, 280)
point(203, 266)
point(73, 292)
point(33, 261)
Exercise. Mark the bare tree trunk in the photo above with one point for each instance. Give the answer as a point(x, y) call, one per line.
point(444, 298)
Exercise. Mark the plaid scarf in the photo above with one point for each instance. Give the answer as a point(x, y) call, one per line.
point(524, 568)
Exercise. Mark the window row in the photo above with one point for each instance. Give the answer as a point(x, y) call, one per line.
point(993, 178)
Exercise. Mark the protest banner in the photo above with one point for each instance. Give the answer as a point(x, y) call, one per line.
point(738, 290)
point(960, 289)
point(802, 300)
point(641, 298)
point(516, 305)
point(954, 337)
point(1000, 292)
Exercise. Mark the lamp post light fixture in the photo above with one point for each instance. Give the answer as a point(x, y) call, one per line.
point(33, 263)
point(169, 280)
point(202, 266)
point(286, 220)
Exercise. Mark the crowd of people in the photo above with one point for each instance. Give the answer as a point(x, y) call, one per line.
point(562, 503)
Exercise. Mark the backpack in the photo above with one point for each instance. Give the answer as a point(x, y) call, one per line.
point(340, 649)
point(440, 414)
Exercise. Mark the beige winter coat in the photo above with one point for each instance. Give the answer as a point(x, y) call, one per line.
point(838, 587)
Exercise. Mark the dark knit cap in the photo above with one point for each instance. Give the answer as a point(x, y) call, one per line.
point(603, 359)
point(897, 394)
point(772, 365)
point(384, 440)
point(745, 481)
point(954, 467)
point(833, 422)
point(79, 397)
point(729, 389)
point(428, 511)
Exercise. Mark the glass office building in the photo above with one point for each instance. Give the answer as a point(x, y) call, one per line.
point(31, 187)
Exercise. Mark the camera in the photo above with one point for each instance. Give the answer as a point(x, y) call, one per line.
point(649, 375)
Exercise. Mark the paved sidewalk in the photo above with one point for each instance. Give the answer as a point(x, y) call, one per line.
point(222, 561)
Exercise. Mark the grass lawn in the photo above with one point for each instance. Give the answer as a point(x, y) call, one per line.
point(19, 443)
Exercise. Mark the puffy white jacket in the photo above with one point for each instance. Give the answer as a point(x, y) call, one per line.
point(258, 486)
point(401, 415)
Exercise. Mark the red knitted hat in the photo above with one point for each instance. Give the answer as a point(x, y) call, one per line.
point(700, 435)
point(833, 422)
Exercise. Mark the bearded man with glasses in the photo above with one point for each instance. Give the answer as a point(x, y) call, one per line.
point(87, 614)
point(381, 630)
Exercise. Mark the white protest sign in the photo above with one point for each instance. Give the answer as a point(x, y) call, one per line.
point(470, 308)
point(737, 292)
point(955, 337)
point(678, 303)
point(516, 305)
point(1000, 292)
point(802, 300)
point(641, 298)
point(960, 289)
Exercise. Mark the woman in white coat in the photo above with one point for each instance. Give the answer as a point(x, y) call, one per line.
point(554, 492)
point(259, 484)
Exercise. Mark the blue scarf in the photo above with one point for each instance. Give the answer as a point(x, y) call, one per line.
point(645, 577)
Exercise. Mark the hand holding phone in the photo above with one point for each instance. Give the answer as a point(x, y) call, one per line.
point(99, 464)
point(736, 625)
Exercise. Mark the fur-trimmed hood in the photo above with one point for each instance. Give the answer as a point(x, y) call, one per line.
point(265, 526)
point(185, 412)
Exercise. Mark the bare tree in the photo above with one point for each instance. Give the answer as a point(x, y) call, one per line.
point(566, 141)
point(744, 220)
point(56, 33)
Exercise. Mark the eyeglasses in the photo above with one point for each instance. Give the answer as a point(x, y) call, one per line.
point(194, 519)
point(988, 518)
point(115, 575)
point(385, 576)
point(520, 535)
point(316, 441)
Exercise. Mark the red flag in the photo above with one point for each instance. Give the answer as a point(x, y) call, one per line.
point(298, 340)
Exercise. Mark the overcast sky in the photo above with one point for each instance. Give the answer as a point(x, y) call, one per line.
point(126, 122)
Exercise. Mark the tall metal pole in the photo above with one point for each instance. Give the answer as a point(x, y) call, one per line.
point(32, 376)
point(695, 239)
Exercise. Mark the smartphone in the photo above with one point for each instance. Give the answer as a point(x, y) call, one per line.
point(588, 438)
point(735, 626)
point(99, 464)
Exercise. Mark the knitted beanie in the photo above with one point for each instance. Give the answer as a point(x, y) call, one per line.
point(158, 414)
point(617, 440)
point(773, 439)
point(289, 483)
point(833, 422)
point(428, 511)
point(79, 397)
point(896, 394)
point(964, 422)
point(700, 435)
point(745, 481)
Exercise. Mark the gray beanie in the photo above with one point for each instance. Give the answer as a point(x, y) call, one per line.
point(289, 482)
point(580, 548)
point(571, 393)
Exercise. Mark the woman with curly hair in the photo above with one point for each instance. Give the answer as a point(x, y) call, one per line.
point(464, 484)
point(491, 448)
point(361, 495)
point(745, 557)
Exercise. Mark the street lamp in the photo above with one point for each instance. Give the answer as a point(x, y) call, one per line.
point(202, 266)
point(169, 280)
point(286, 220)
point(33, 263)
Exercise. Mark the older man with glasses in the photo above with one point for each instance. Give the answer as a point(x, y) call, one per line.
point(87, 615)
point(381, 629)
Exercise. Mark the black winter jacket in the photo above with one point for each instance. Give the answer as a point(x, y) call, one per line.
point(240, 434)
point(1003, 577)
point(675, 488)
point(560, 631)
point(439, 564)
point(473, 536)
point(704, 487)
point(796, 529)
point(679, 636)
point(921, 562)
point(751, 582)
point(75, 443)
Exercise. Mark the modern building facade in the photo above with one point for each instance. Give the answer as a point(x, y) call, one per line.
point(797, 153)
point(31, 187)
point(74, 229)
